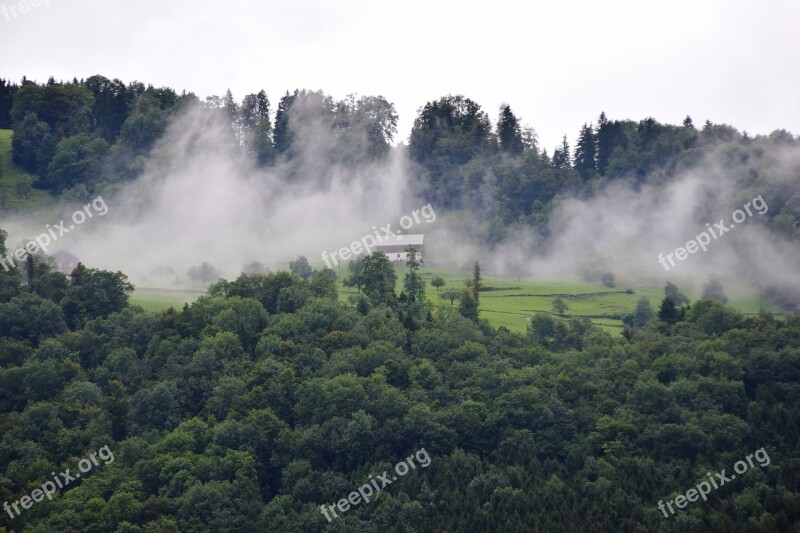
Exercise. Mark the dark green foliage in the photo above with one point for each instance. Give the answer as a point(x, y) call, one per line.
point(447, 136)
point(668, 311)
point(561, 155)
point(94, 293)
point(7, 91)
point(110, 109)
point(323, 284)
point(223, 417)
point(586, 152)
point(33, 144)
point(77, 160)
point(468, 306)
point(610, 135)
point(354, 279)
point(32, 318)
point(267, 398)
point(264, 288)
point(378, 278)
point(509, 132)
point(413, 284)
point(476, 282)
point(672, 292)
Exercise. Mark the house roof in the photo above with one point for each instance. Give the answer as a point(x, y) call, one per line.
point(400, 240)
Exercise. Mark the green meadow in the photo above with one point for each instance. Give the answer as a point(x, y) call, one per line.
point(511, 303)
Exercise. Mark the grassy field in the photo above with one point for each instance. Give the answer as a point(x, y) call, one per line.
point(511, 303)
point(16, 195)
point(163, 299)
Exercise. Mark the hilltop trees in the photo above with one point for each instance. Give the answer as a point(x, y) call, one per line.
point(448, 135)
point(586, 152)
point(509, 132)
point(64, 131)
point(561, 155)
point(355, 130)
point(94, 133)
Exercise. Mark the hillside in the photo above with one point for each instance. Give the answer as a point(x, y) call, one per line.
point(16, 193)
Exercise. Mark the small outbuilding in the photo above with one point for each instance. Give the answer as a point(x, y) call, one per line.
point(395, 246)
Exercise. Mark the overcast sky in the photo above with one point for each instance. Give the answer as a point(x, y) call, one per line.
point(558, 63)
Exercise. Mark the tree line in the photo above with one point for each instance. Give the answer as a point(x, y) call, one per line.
point(268, 397)
point(83, 135)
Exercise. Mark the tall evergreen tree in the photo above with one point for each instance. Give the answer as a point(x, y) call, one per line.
point(283, 135)
point(561, 156)
point(476, 282)
point(586, 152)
point(413, 284)
point(509, 132)
point(7, 91)
point(609, 135)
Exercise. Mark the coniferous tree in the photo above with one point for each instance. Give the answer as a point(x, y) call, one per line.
point(7, 91)
point(509, 132)
point(586, 152)
point(672, 292)
point(669, 312)
point(561, 155)
point(476, 282)
point(413, 285)
point(610, 135)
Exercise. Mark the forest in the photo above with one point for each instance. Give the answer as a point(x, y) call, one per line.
point(270, 396)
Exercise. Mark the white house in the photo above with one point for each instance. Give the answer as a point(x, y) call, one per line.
point(395, 246)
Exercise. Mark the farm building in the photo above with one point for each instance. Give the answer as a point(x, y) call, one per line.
point(395, 246)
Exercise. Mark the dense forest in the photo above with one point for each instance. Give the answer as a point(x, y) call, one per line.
point(89, 136)
point(269, 397)
point(257, 404)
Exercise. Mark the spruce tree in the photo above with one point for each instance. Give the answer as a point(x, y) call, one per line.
point(509, 132)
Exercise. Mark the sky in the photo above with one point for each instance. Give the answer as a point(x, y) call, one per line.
point(558, 64)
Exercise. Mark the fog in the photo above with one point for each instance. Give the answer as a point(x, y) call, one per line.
point(200, 200)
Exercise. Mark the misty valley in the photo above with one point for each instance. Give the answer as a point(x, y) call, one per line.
point(279, 315)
